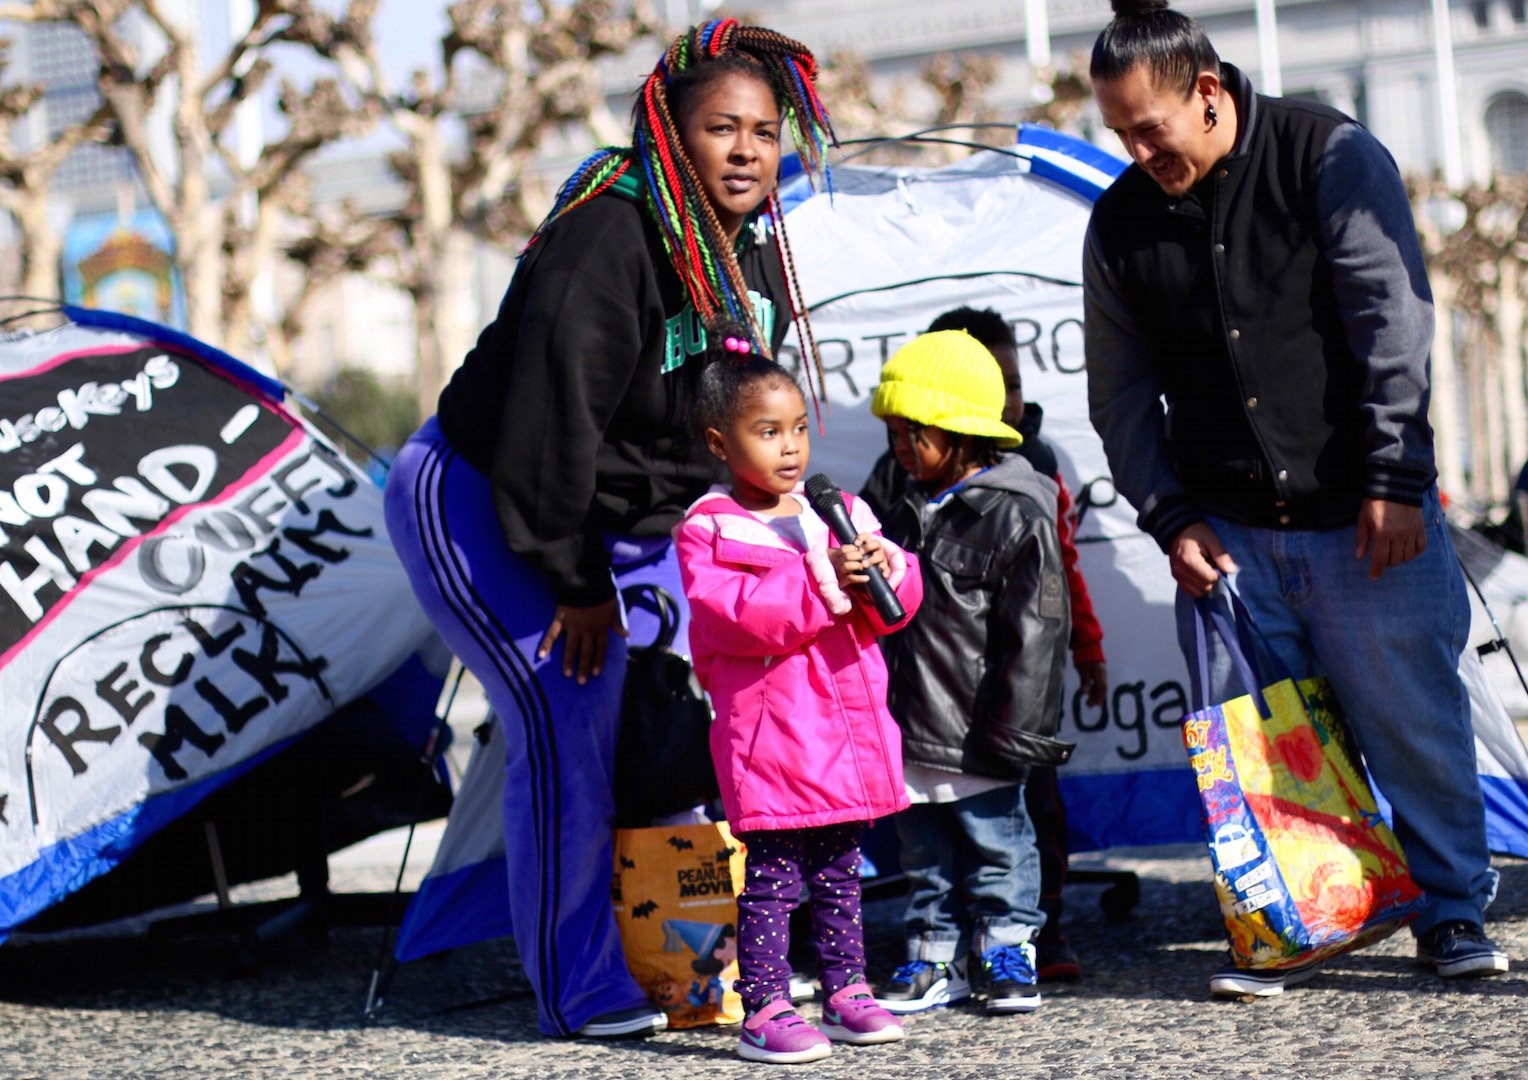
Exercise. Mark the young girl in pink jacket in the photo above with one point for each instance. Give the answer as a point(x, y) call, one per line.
point(783, 637)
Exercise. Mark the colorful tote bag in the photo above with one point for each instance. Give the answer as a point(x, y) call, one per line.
point(1305, 866)
point(674, 893)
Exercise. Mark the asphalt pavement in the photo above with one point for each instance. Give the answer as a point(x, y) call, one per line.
point(126, 1002)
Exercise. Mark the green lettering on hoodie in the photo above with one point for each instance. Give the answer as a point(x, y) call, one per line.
point(685, 334)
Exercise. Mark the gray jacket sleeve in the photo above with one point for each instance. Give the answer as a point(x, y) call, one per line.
point(1126, 407)
point(1370, 240)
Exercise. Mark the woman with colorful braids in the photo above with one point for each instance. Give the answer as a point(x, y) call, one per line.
point(559, 461)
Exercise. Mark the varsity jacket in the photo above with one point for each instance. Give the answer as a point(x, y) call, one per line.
point(802, 737)
point(976, 678)
point(574, 399)
point(1282, 309)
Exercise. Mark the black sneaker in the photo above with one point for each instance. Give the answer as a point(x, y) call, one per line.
point(1234, 982)
point(1056, 961)
point(1458, 949)
point(921, 984)
point(1010, 977)
point(637, 1022)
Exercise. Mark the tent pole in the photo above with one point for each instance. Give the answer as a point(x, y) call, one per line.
point(1500, 644)
point(219, 874)
point(383, 970)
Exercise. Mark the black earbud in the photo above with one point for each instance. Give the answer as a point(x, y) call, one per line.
point(1209, 116)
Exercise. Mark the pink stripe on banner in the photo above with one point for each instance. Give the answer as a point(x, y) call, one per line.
point(64, 358)
point(255, 472)
point(177, 351)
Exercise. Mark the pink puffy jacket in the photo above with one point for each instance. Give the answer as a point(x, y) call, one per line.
point(802, 736)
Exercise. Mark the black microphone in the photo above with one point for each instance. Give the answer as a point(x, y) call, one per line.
point(828, 501)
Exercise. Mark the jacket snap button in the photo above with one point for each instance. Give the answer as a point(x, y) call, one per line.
point(1224, 173)
point(1220, 249)
point(1252, 403)
point(1283, 475)
point(1235, 334)
point(1283, 519)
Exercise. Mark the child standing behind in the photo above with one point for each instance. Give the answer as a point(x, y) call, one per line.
point(784, 639)
point(975, 678)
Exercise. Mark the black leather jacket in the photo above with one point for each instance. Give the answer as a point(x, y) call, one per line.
point(975, 677)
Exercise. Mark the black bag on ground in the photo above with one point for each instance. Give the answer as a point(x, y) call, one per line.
point(663, 758)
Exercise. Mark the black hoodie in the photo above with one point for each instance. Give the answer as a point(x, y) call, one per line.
point(574, 399)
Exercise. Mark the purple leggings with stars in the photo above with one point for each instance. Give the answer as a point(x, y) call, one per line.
point(826, 859)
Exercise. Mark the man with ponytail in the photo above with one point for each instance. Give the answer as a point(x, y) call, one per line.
point(559, 461)
point(1258, 268)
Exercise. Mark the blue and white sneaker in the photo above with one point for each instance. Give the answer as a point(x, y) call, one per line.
point(1012, 986)
point(1457, 949)
point(922, 984)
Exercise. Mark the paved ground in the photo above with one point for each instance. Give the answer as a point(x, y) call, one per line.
point(131, 1005)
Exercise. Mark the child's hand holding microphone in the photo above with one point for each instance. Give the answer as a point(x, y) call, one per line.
point(828, 501)
point(854, 561)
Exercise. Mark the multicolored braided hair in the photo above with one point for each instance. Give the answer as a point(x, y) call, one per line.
point(693, 237)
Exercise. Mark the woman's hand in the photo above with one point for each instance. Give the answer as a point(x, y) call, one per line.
point(588, 630)
point(854, 561)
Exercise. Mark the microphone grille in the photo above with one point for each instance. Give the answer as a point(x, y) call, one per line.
point(820, 486)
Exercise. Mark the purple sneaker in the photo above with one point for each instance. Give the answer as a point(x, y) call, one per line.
point(777, 1035)
point(852, 1016)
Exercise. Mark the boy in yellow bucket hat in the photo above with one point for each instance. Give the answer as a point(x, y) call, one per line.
point(975, 677)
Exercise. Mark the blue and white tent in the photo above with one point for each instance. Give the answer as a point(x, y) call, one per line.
point(190, 579)
point(889, 249)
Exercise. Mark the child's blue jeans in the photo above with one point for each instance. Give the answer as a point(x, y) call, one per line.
point(973, 874)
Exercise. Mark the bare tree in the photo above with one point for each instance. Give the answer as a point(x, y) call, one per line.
point(26, 176)
point(949, 89)
point(512, 76)
point(223, 207)
point(1475, 241)
point(1070, 93)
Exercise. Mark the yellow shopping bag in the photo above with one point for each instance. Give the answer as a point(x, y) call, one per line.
point(674, 893)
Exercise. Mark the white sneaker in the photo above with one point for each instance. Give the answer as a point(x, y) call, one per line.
point(637, 1022)
point(1234, 982)
point(802, 988)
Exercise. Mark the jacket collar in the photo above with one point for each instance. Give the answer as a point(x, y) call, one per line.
point(1196, 202)
point(737, 534)
point(1247, 111)
point(1011, 475)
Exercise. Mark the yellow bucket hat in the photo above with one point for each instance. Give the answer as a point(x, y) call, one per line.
point(945, 379)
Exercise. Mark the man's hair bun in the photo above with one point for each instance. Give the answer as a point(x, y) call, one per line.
point(1125, 8)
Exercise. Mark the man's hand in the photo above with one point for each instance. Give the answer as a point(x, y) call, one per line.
point(1094, 676)
point(1389, 533)
point(588, 630)
point(1198, 559)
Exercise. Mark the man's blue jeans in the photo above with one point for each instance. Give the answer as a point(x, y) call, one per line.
point(972, 871)
point(1390, 649)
